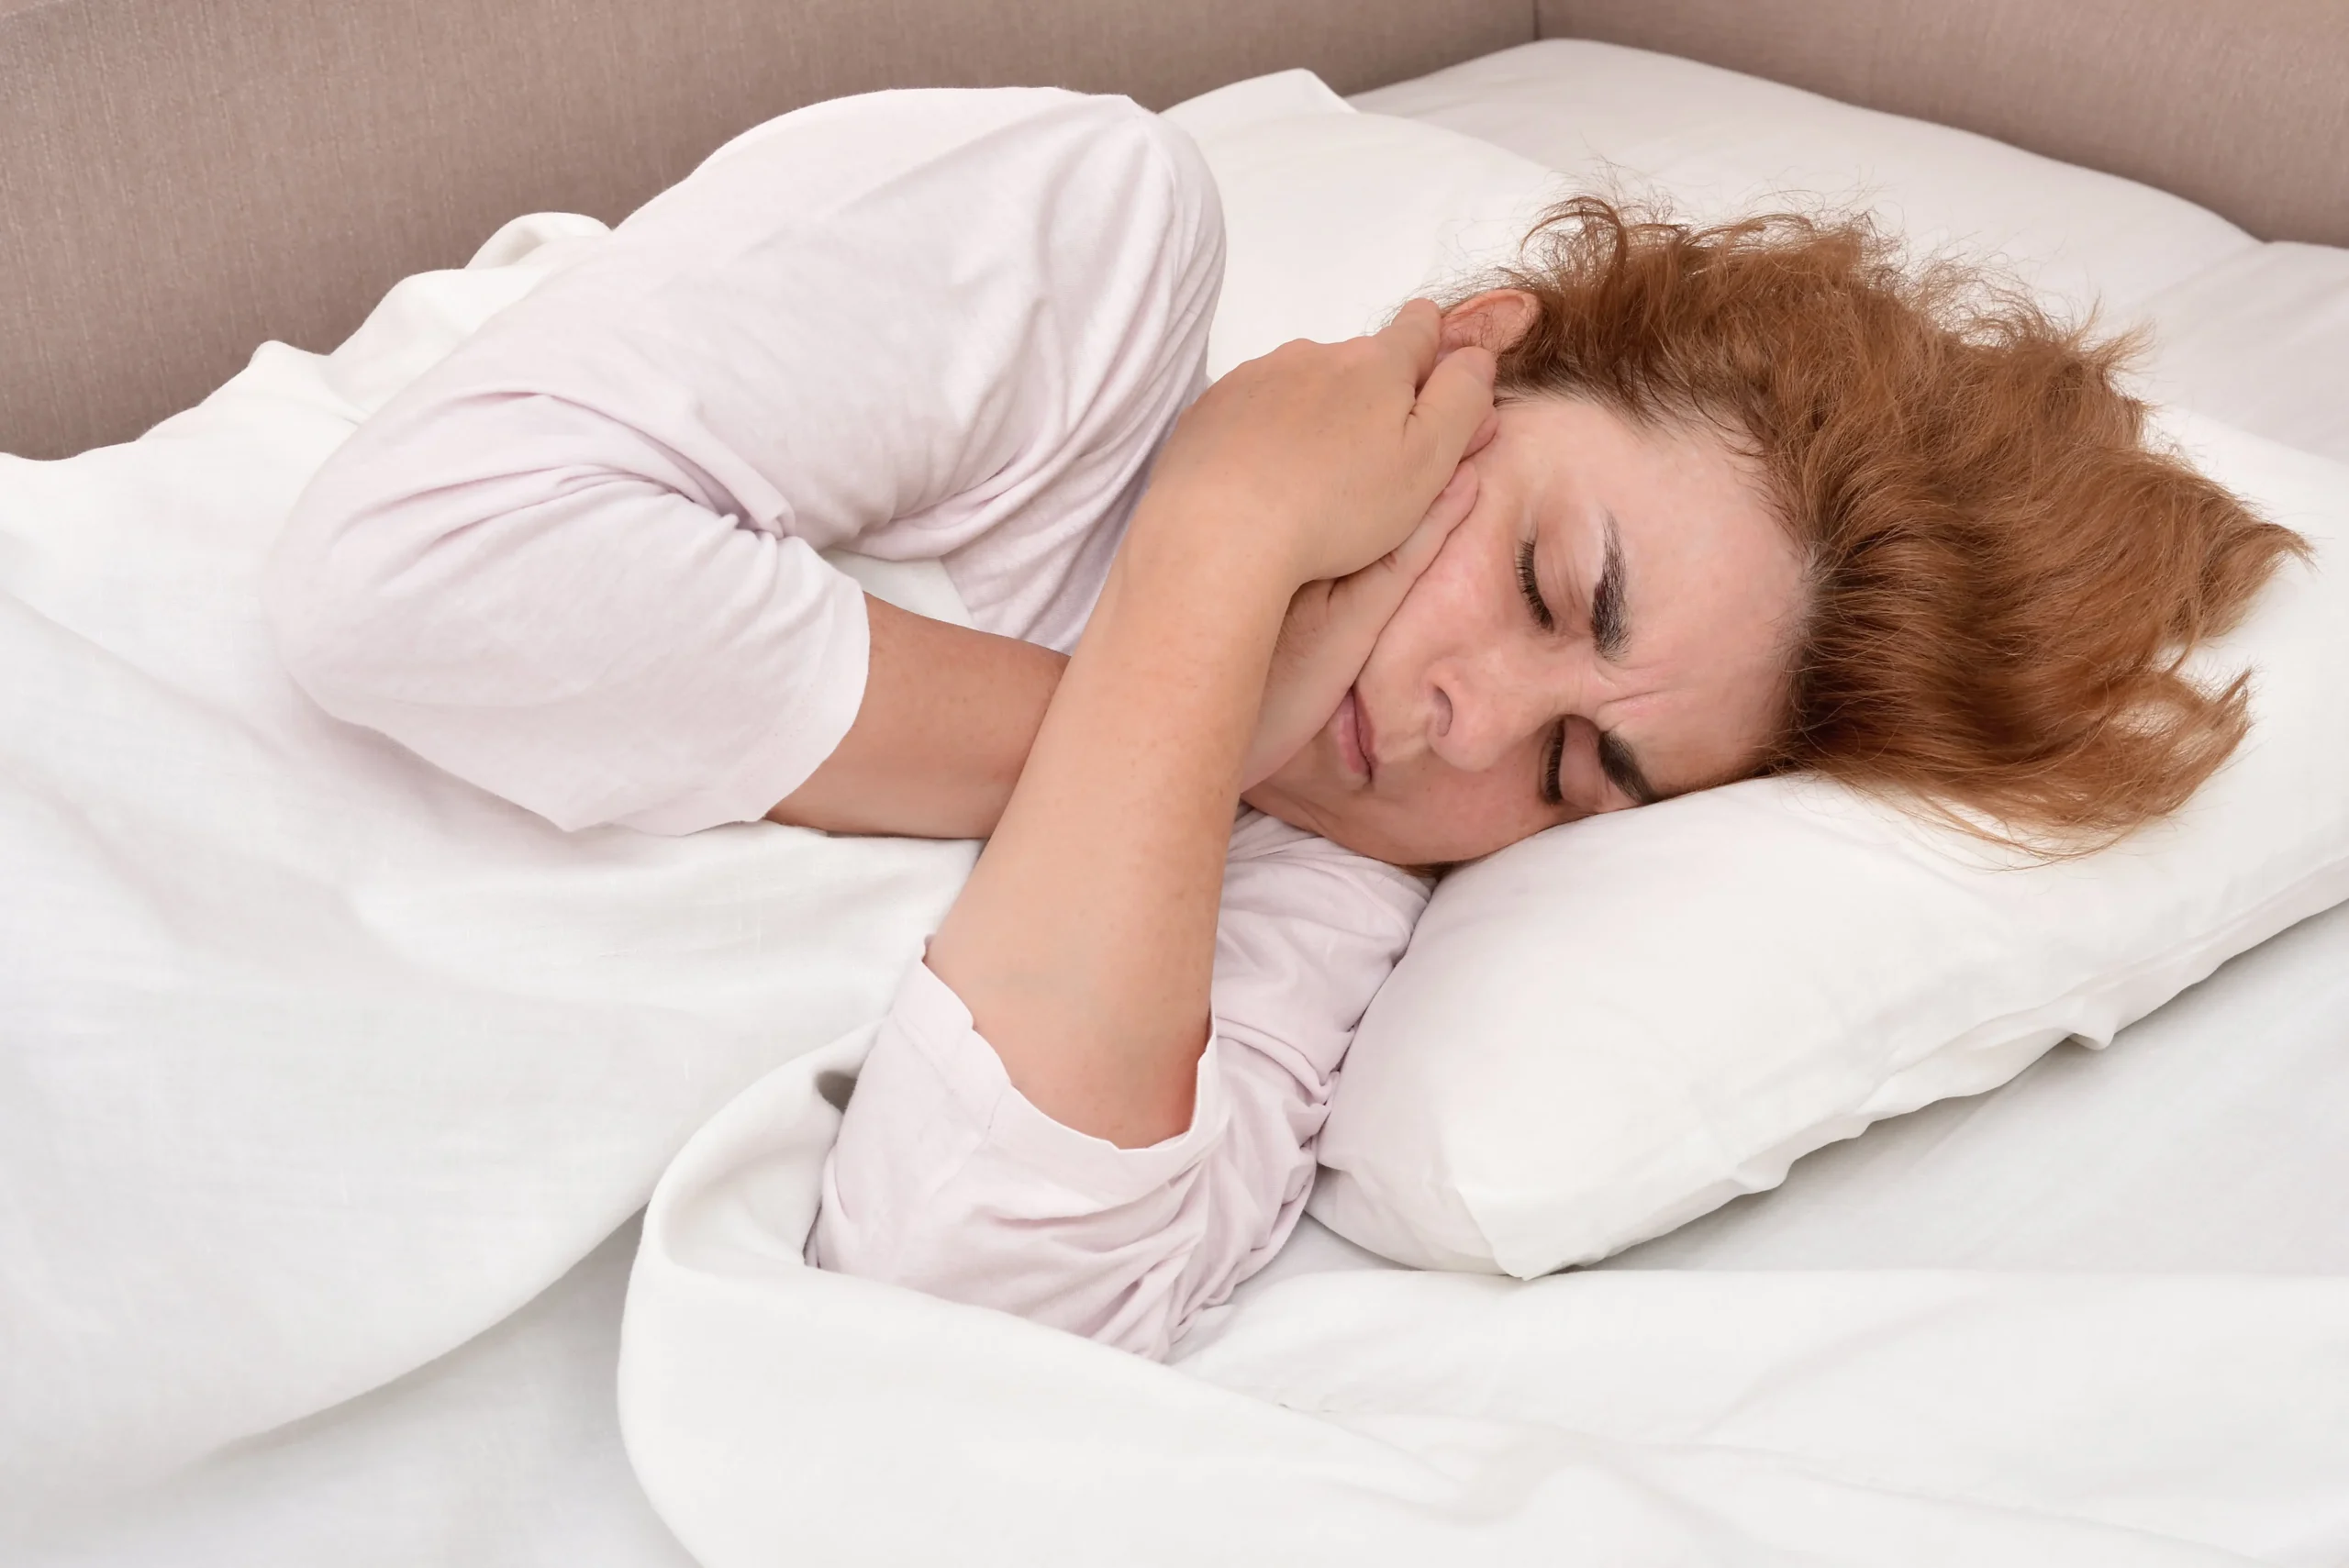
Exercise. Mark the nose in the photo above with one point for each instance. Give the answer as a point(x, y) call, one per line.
point(1480, 709)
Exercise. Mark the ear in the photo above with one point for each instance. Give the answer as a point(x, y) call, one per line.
point(1493, 320)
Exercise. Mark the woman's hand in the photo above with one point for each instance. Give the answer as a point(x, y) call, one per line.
point(1319, 458)
point(1083, 943)
point(1326, 635)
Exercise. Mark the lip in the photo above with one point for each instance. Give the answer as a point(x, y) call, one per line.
point(1357, 744)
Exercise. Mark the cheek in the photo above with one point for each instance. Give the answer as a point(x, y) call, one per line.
point(1448, 610)
point(1451, 816)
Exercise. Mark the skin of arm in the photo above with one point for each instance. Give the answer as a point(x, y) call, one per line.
point(1083, 942)
point(947, 720)
point(949, 714)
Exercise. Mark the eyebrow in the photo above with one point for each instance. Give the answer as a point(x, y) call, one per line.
point(1609, 631)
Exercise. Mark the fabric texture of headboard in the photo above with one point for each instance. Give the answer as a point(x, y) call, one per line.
point(2240, 104)
point(181, 179)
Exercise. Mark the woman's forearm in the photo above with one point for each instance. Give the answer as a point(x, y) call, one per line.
point(947, 720)
point(1083, 943)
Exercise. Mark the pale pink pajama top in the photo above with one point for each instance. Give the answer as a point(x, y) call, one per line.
point(576, 564)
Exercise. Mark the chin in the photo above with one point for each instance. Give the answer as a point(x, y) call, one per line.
point(1427, 853)
point(1338, 829)
point(1299, 811)
point(1381, 831)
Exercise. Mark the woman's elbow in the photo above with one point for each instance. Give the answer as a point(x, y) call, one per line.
point(382, 623)
point(329, 610)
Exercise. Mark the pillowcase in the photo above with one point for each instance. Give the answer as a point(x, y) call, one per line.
point(2256, 335)
point(2261, 340)
point(1620, 1024)
point(1331, 218)
point(1721, 144)
point(1611, 1029)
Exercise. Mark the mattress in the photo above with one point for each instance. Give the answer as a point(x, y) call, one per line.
point(2203, 1140)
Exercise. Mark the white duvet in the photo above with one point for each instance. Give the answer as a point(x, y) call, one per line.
point(777, 1413)
point(318, 1064)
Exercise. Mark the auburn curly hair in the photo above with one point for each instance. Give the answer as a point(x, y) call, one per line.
point(2002, 578)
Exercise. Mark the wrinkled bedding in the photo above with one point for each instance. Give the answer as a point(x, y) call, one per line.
point(506, 1453)
point(321, 1061)
point(1401, 1417)
point(353, 1063)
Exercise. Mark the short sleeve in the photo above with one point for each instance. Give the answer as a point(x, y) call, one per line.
point(577, 562)
point(946, 1179)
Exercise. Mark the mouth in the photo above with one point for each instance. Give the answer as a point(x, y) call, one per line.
point(1357, 744)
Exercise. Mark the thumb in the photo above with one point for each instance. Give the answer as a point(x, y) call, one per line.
point(1452, 407)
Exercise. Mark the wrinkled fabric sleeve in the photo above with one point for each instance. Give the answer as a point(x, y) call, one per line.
point(946, 1179)
point(577, 562)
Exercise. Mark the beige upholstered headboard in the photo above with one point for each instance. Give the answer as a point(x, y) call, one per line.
point(181, 179)
point(2240, 104)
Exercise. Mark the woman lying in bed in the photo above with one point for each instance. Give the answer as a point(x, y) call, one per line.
point(1664, 509)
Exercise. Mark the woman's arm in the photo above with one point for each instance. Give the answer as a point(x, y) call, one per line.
point(1082, 944)
point(949, 714)
point(944, 1179)
point(578, 563)
point(943, 729)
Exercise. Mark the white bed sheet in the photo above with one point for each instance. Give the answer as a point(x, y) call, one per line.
point(2205, 1138)
point(504, 1454)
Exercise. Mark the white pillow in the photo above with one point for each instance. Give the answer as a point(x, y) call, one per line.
point(1721, 144)
point(1623, 1023)
point(2256, 335)
point(1615, 1026)
point(1331, 218)
point(2262, 342)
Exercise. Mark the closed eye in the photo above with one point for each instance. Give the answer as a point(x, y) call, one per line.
point(1553, 758)
point(1553, 755)
point(1531, 586)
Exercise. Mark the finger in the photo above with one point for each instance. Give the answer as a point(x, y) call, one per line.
point(1448, 511)
point(1461, 328)
point(1385, 581)
point(1484, 434)
point(1414, 336)
point(1452, 410)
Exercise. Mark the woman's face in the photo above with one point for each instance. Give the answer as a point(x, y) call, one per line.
point(1608, 627)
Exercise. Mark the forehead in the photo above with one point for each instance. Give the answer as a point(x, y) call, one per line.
point(1712, 581)
point(1682, 472)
